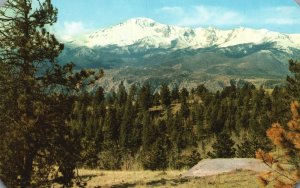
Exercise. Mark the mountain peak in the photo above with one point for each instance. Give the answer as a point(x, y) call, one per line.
point(140, 20)
point(145, 32)
point(146, 22)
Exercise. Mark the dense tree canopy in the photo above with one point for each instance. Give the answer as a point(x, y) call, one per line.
point(285, 162)
point(230, 123)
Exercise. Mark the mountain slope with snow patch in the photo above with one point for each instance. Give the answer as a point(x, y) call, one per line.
point(150, 34)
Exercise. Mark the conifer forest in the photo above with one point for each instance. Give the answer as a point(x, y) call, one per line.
point(52, 123)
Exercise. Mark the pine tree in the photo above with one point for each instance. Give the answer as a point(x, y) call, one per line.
point(248, 148)
point(293, 82)
point(122, 94)
point(110, 155)
point(156, 158)
point(288, 140)
point(111, 127)
point(127, 124)
point(223, 147)
point(201, 90)
point(175, 94)
point(156, 99)
point(285, 138)
point(89, 152)
point(184, 110)
point(188, 159)
point(99, 96)
point(145, 97)
point(148, 132)
point(37, 97)
point(165, 95)
point(280, 105)
point(184, 94)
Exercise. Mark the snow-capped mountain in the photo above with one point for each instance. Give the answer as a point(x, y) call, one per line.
point(147, 33)
point(142, 50)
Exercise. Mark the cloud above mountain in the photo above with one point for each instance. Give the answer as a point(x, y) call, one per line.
point(275, 15)
point(201, 15)
point(283, 15)
point(204, 15)
point(69, 30)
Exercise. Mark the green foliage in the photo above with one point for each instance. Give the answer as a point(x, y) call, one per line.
point(156, 158)
point(165, 95)
point(89, 153)
point(122, 94)
point(188, 159)
point(248, 148)
point(132, 133)
point(175, 94)
point(48, 127)
point(184, 110)
point(109, 158)
point(223, 147)
point(148, 132)
point(293, 82)
point(145, 97)
point(36, 98)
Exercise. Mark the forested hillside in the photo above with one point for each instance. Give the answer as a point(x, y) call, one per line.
point(173, 129)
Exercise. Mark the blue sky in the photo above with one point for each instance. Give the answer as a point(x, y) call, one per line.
point(77, 16)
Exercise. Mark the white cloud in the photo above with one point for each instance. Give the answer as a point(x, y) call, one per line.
point(284, 9)
point(281, 21)
point(204, 15)
point(221, 16)
point(282, 15)
point(173, 10)
point(71, 29)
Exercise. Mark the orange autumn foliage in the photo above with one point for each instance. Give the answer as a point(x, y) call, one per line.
point(285, 165)
point(276, 134)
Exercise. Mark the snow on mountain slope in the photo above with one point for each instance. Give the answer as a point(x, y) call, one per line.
point(139, 30)
point(147, 33)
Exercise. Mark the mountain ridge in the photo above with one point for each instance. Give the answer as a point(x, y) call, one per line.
point(142, 50)
point(151, 34)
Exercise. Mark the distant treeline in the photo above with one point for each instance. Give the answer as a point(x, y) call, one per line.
point(173, 128)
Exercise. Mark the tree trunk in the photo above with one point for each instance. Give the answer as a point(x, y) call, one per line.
point(27, 170)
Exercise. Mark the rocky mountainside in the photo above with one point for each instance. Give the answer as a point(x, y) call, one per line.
point(141, 49)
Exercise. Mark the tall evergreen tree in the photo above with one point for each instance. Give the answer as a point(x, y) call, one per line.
point(148, 132)
point(165, 95)
point(122, 94)
point(36, 104)
point(223, 147)
point(127, 124)
point(293, 82)
point(285, 164)
point(175, 94)
point(280, 111)
point(145, 97)
point(184, 109)
point(99, 95)
point(184, 94)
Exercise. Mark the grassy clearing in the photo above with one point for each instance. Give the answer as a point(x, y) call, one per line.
point(122, 179)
